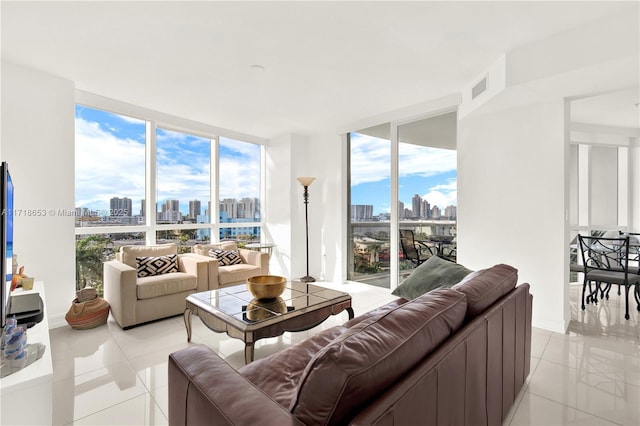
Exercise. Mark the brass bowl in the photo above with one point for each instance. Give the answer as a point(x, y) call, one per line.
point(266, 286)
point(259, 309)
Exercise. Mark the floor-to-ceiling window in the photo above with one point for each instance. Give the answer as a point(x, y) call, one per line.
point(419, 195)
point(370, 206)
point(427, 189)
point(141, 181)
point(183, 188)
point(239, 190)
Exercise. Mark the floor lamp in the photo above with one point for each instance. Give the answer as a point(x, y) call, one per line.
point(305, 182)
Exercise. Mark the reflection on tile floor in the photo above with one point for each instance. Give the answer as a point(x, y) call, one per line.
point(588, 376)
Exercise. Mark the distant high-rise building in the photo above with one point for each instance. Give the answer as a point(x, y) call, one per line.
point(425, 209)
point(171, 206)
point(170, 212)
point(361, 212)
point(435, 212)
point(120, 206)
point(246, 208)
point(401, 212)
point(230, 207)
point(416, 203)
point(451, 212)
point(143, 208)
point(195, 208)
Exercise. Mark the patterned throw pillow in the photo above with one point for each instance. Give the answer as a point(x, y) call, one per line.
point(149, 266)
point(226, 257)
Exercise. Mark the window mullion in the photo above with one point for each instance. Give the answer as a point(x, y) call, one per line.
point(214, 213)
point(150, 187)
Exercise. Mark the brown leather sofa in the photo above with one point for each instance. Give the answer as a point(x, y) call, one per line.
point(454, 356)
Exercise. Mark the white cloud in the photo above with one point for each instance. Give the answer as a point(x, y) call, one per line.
point(106, 166)
point(371, 159)
point(425, 161)
point(443, 195)
point(109, 165)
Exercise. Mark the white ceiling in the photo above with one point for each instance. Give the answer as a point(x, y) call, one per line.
point(326, 64)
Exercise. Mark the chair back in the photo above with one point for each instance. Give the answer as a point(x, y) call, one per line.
point(408, 244)
point(608, 254)
point(634, 247)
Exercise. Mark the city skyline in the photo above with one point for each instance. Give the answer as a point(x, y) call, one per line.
point(124, 206)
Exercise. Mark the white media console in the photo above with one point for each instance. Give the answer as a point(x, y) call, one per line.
point(27, 395)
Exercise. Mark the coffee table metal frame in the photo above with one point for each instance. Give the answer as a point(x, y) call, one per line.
point(237, 326)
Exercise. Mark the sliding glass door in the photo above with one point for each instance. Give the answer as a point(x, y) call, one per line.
point(427, 190)
point(402, 178)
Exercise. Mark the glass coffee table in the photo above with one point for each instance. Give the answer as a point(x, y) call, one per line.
point(235, 311)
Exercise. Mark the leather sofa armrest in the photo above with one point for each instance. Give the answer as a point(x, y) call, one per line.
point(119, 280)
point(204, 389)
point(256, 258)
point(194, 264)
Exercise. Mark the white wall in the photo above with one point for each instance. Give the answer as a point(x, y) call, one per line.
point(289, 157)
point(329, 164)
point(38, 144)
point(279, 189)
point(512, 195)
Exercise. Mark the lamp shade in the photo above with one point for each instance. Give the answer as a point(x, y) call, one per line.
point(306, 181)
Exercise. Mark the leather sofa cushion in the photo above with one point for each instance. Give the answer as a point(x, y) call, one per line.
point(486, 286)
point(278, 374)
point(162, 285)
point(370, 356)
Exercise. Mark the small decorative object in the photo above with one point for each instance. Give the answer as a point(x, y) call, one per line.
point(27, 283)
point(266, 286)
point(15, 352)
point(17, 278)
point(306, 182)
point(87, 310)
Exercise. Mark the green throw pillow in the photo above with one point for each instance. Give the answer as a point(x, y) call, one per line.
point(435, 272)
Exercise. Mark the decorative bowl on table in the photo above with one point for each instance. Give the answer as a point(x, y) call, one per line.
point(266, 286)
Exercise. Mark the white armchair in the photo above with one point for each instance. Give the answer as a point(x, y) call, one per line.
point(136, 299)
point(253, 263)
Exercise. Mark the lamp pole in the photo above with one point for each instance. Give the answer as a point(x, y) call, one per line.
point(305, 182)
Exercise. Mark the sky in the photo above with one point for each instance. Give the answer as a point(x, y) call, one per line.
point(428, 172)
point(110, 162)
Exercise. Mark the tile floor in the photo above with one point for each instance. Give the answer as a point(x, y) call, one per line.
point(589, 376)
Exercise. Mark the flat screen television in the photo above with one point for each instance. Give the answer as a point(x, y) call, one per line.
point(6, 240)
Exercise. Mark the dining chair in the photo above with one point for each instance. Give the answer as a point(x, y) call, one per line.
point(606, 262)
point(413, 251)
